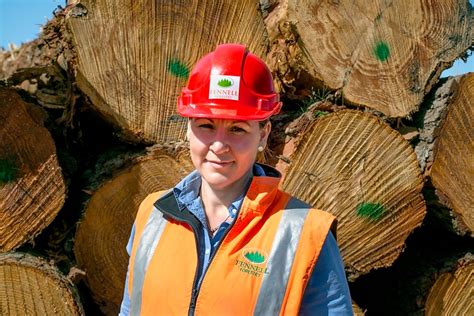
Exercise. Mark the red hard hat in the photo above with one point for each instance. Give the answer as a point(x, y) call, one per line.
point(229, 83)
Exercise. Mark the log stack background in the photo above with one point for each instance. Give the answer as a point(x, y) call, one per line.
point(368, 132)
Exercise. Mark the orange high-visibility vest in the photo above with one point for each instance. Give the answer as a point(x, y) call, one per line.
point(261, 267)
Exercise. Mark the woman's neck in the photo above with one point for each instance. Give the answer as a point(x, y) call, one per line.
point(216, 201)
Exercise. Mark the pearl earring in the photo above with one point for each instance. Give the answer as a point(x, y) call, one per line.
point(260, 148)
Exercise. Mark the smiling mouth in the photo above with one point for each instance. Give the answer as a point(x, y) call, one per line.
point(219, 163)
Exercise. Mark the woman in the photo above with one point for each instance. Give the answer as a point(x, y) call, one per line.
point(225, 240)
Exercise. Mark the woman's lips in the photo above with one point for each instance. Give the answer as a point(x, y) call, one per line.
point(219, 164)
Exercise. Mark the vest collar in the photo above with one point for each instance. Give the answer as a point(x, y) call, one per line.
point(260, 195)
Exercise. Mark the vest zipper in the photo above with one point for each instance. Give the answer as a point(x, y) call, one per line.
point(197, 238)
point(196, 226)
point(195, 292)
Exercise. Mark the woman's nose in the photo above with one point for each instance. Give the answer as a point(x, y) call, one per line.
point(219, 146)
point(219, 143)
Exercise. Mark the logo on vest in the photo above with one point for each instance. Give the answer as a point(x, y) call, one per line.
point(252, 262)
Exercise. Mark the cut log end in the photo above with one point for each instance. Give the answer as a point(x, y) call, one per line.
point(453, 170)
point(30, 286)
point(135, 82)
point(32, 188)
point(452, 292)
point(355, 166)
point(385, 56)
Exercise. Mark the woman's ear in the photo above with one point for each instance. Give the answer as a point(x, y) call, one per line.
point(265, 132)
point(188, 130)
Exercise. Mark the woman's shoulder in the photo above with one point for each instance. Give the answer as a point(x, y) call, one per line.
point(311, 213)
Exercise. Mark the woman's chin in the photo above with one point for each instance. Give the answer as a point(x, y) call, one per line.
point(218, 181)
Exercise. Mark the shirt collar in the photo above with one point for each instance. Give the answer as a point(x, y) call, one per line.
point(186, 191)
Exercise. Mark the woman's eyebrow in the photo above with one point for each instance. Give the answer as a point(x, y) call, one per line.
point(203, 118)
point(240, 121)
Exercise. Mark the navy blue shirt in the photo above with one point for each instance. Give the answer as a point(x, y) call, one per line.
point(327, 292)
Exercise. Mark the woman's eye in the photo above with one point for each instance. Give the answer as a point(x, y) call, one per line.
point(238, 130)
point(206, 126)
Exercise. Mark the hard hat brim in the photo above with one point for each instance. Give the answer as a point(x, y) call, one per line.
point(241, 113)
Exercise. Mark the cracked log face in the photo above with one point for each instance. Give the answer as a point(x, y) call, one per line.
point(32, 189)
point(386, 55)
point(134, 57)
point(355, 166)
point(104, 232)
point(30, 286)
point(452, 172)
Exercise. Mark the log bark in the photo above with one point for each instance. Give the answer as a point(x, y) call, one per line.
point(103, 233)
point(452, 293)
point(32, 188)
point(30, 286)
point(452, 172)
point(430, 119)
point(385, 56)
point(355, 166)
point(151, 47)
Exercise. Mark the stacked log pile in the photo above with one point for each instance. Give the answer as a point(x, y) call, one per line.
point(368, 132)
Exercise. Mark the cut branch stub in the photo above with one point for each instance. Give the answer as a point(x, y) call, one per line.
point(452, 172)
point(103, 233)
point(452, 293)
point(386, 55)
point(32, 189)
point(151, 47)
point(30, 286)
point(355, 166)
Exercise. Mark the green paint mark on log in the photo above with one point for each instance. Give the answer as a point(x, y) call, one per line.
point(372, 211)
point(381, 51)
point(8, 171)
point(178, 69)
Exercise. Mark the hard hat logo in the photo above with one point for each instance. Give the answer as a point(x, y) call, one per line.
point(224, 83)
point(224, 87)
point(229, 83)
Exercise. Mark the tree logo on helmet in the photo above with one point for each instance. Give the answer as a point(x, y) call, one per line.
point(224, 87)
point(225, 83)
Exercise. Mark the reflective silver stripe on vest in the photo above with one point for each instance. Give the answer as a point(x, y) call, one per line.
point(146, 247)
point(280, 260)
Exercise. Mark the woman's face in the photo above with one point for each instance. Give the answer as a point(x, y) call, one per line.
point(223, 151)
